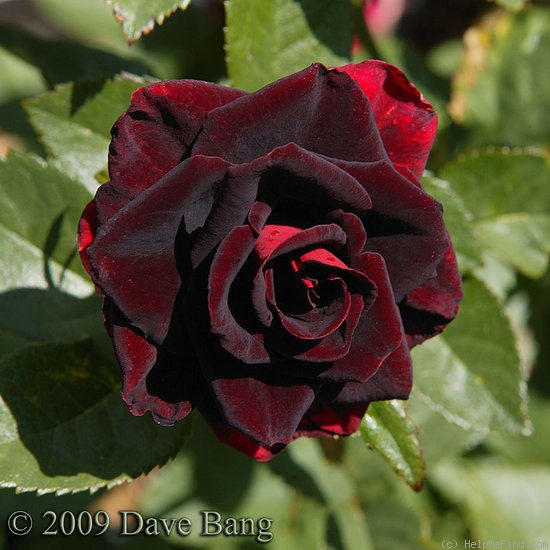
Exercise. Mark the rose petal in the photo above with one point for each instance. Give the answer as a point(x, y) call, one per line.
point(406, 121)
point(405, 226)
point(158, 128)
point(253, 190)
point(87, 227)
point(379, 331)
point(314, 357)
point(353, 228)
point(142, 364)
point(269, 413)
point(428, 309)
point(329, 416)
point(228, 261)
point(319, 322)
point(393, 380)
point(132, 257)
point(331, 420)
point(244, 443)
point(339, 120)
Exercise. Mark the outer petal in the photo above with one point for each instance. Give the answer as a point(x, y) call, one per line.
point(269, 413)
point(427, 310)
point(405, 226)
point(245, 444)
point(153, 380)
point(322, 111)
point(329, 416)
point(342, 412)
point(87, 227)
point(154, 135)
point(158, 128)
point(407, 122)
point(393, 380)
point(132, 257)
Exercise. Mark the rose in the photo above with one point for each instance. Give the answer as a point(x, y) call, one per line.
point(270, 258)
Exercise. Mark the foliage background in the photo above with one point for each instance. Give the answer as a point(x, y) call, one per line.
point(472, 423)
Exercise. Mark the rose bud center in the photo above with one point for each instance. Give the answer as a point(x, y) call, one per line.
point(308, 289)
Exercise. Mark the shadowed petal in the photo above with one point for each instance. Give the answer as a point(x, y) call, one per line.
point(427, 310)
point(405, 226)
point(142, 364)
point(132, 257)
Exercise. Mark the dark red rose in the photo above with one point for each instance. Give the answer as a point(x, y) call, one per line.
point(270, 257)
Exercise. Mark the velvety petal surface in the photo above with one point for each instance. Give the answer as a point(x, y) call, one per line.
point(158, 128)
point(329, 416)
point(431, 307)
point(254, 191)
point(132, 257)
point(269, 413)
point(142, 365)
point(321, 110)
point(379, 331)
point(407, 122)
point(393, 380)
point(405, 226)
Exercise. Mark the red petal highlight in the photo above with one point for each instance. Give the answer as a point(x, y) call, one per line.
point(406, 121)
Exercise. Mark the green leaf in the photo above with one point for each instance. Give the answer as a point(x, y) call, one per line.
point(500, 501)
point(508, 195)
point(522, 239)
point(438, 438)
point(336, 488)
point(500, 93)
point(388, 429)
point(75, 120)
point(64, 427)
point(471, 374)
point(312, 502)
point(65, 60)
point(139, 17)
point(458, 220)
point(269, 39)
point(39, 212)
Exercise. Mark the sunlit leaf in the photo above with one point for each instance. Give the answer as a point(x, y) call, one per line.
point(139, 17)
point(472, 373)
point(269, 39)
point(508, 195)
point(75, 120)
point(387, 428)
point(502, 92)
point(39, 212)
point(458, 220)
